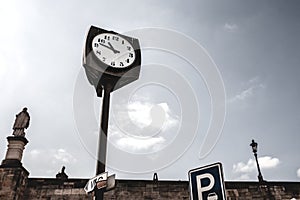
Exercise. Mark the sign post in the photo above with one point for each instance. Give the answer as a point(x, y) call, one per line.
point(206, 183)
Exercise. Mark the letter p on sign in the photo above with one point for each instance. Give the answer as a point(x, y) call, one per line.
point(201, 188)
point(207, 183)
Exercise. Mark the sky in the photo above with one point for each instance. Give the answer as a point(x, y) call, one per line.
point(214, 76)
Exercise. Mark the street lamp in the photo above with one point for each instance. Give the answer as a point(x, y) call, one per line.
point(254, 149)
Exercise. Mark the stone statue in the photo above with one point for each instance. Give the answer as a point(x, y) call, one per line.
point(21, 123)
point(62, 175)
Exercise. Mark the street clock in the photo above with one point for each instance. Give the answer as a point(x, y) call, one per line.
point(111, 59)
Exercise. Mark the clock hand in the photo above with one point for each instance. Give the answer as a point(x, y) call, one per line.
point(110, 47)
point(113, 49)
point(105, 46)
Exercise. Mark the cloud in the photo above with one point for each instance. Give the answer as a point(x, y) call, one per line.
point(133, 143)
point(61, 155)
point(139, 113)
point(138, 144)
point(243, 95)
point(230, 27)
point(143, 126)
point(268, 162)
point(241, 167)
point(298, 173)
point(47, 160)
point(253, 80)
point(34, 153)
point(145, 114)
point(54, 155)
point(245, 169)
point(244, 177)
point(253, 86)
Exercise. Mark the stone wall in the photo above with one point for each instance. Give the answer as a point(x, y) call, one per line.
point(267, 190)
point(13, 183)
point(54, 189)
point(149, 190)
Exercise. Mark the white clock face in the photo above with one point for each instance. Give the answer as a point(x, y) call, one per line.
point(113, 50)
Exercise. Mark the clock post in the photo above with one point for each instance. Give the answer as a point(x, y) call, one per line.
point(111, 61)
point(101, 162)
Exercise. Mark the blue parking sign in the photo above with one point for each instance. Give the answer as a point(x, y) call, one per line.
point(206, 183)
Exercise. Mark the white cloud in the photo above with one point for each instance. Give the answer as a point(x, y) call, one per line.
point(268, 162)
point(145, 114)
point(48, 161)
point(253, 86)
point(298, 173)
point(243, 95)
point(133, 143)
point(171, 120)
point(139, 113)
point(34, 153)
point(142, 126)
point(245, 169)
point(244, 177)
point(53, 155)
point(61, 155)
point(242, 167)
point(254, 80)
point(138, 144)
point(230, 27)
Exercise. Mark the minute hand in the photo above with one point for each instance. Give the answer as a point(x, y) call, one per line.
point(113, 49)
point(110, 48)
point(106, 46)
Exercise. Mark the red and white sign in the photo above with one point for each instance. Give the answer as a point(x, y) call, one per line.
point(100, 181)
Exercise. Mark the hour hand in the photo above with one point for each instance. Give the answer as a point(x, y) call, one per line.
point(110, 47)
point(113, 49)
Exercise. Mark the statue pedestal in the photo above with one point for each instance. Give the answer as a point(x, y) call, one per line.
point(13, 175)
point(14, 154)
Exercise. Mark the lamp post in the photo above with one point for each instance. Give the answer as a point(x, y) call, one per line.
point(254, 149)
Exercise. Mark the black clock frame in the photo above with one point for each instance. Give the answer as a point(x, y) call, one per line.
point(101, 75)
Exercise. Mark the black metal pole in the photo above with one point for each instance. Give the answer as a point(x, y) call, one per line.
point(101, 162)
point(260, 177)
